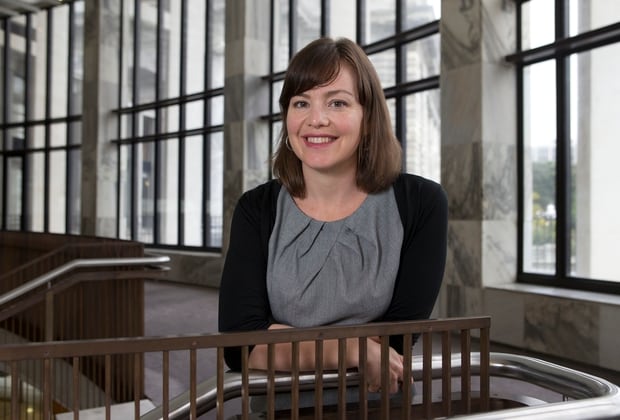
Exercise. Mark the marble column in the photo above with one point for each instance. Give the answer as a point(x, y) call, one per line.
point(246, 136)
point(100, 89)
point(478, 152)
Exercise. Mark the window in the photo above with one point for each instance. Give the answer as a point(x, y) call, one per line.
point(40, 119)
point(568, 85)
point(170, 123)
point(401, 37)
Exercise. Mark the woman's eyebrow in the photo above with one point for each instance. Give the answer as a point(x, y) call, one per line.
point(329, 93)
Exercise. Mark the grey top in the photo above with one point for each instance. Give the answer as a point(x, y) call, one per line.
point(341, 272)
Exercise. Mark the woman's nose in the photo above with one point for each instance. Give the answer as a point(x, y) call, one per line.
point(317, 117)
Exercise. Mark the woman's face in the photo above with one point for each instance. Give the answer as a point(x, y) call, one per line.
point(324, 125)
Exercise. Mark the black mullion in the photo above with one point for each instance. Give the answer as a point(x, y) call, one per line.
point(6, 23)
point(69, 137)
point(325, 16)
point(157, 159)
point(26, 209)
point(292, 27)
point(400, 72)
point(48, 111)
point(120, 117)
point(135, 167)
point(183, 88)
point(520, 148)
point(563, 168)
point(360, 34)
point(272, 38)
point(206, 138)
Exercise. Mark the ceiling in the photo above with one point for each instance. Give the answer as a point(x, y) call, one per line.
point(14, 7)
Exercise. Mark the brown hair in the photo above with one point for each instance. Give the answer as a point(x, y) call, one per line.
point(379, 154)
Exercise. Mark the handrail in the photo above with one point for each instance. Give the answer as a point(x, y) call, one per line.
point(595, 398)
point(82, 263)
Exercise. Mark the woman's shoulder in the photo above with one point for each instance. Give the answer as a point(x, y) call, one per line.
point(411, 184)
point(263, 195)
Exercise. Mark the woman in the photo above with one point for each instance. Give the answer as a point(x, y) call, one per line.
point(320, 244)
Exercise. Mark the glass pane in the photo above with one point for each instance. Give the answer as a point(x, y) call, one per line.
point(277, 90)
point(169, 192)
point(391, 103)
point(14, 193)
point(193, 193)
point(216, 43)
point(216, 189)
point(194, 114)
point(342, 19)
point(169, 119)
point(280, 35)
point(37, 136)
point(170, 52)
point(16, 139)
point(147, 51)
point(76, 133)
point(127, 55)
point(74, 193)
point(2, 72)
point(595, 226)
point(588, 15)
point(78, 58)
point(126, 125)
point(423, 136)
point(308, 22)
point(195, 68)
point(385, 64)
point(423, 58)
point(538, 23)
point(217, 110)
point(380, 19)
point(146, 123)
point(39, 68)
point(124, 186)
point(59, 63)
point(145, 188)
point(420, 12)
point(58, 191)
point(539, 168)
point(58, 134)
point(17, 75)
point(36, 195)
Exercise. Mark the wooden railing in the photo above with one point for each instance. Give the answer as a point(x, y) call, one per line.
point(66, 287)
point(472, 398)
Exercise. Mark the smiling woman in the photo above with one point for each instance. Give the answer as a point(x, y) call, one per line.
point(318, 245)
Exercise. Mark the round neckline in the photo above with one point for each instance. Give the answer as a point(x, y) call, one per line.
point(341, 220)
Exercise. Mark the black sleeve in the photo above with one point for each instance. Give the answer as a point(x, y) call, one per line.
point(424, 211)
point(243, 301)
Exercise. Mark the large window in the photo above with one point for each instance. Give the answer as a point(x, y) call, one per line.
point(568, 65)
point(171, 123)
point(401, 37)
point(40, 119)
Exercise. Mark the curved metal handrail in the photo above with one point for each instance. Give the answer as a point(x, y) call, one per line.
point(594, 398)
point(41, 280)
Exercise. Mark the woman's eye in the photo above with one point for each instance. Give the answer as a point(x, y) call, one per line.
point(338, 104)
point(299, 104)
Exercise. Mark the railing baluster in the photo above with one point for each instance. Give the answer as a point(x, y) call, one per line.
point(165, 389)
point(15, 388)
point(363, 388)
point(485, 362)
point(407, 378)
point(446, 373)
point(76, 387)
point(466, 370)
point(427, 375)
point(245, 392)
point(192, 383)
point(220, 383)
point(342, 380)
point(295, 380)
point(385, 377)
point(271, 392)
point(107, 386)
point(318, 380)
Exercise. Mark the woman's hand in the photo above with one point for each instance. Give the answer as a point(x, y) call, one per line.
point(373, 367)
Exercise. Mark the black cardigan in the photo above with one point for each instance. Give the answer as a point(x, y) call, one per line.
point(243, 300)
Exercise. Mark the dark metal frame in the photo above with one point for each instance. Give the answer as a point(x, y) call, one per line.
point(28, 150)
point(157, 105)
point(559, 50)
